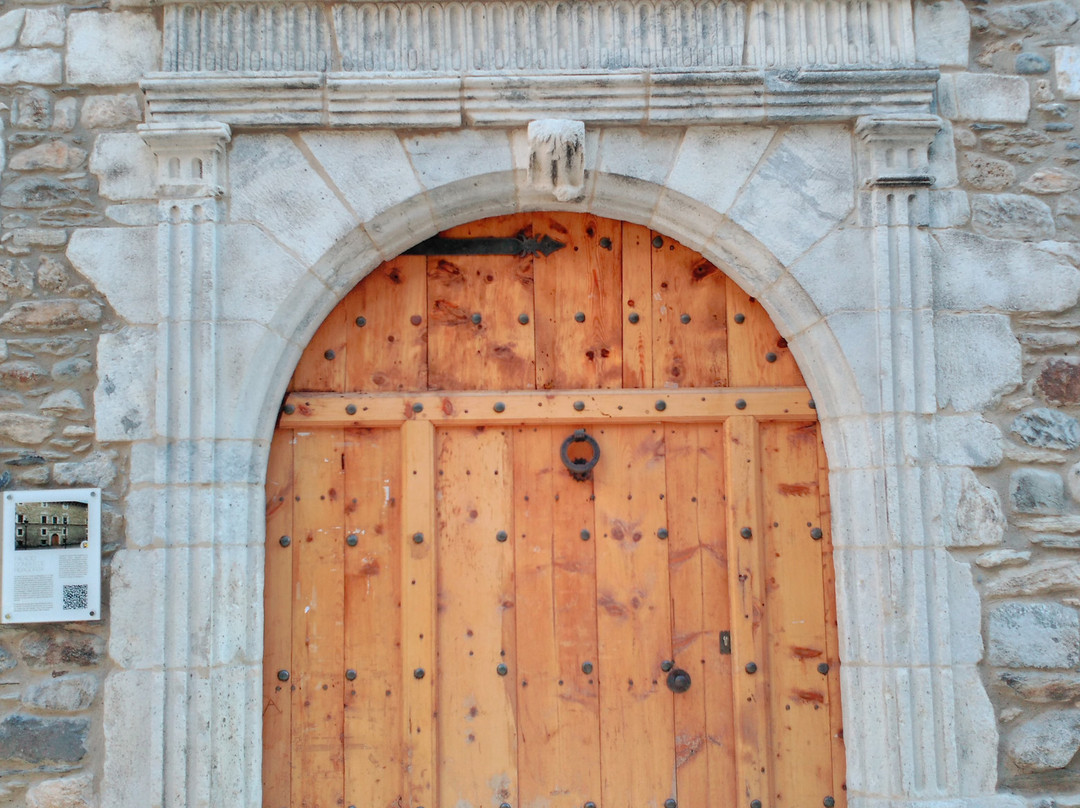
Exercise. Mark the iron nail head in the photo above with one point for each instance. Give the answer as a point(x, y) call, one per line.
point(352, 540)
point(755, 803)
point(579, 317)
point(585, 535)
point(746, 533)
point(288, 409)
point(670, 804)
point(284, 541)
point(589, 804)
point(828, 802)
point(770, 357)
point(416, 319)
point(658, 242)
point(283, 675)
point(501, 669)
point(751, 667)
point(634, 318)
point(350, 674)
point(816, 534)
point(350, 409)
point(499, 407)
point(740, 318)
point(684, 319)
point(523, 319)
point(501, 536)
point(740, 404)
point(661, 405)
point(476, 318)
point(662, 533)
point(579, 405)
point(418, 538)
point(823, 668)
point(586, 667)
point(667, 665)
point(418, 673)
point(329, 353)
point(361, 322)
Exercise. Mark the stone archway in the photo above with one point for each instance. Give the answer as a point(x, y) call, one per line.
point(866, 350)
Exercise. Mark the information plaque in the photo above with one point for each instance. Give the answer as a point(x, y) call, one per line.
point(51, 560)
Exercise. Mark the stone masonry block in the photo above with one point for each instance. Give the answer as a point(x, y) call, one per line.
point(968, 440)
point(249, 253)
point(835, 291)
point(133, 724)
point(43, 27)
point(713, 163)
point(1034, 635)
point(125, 167)
point(111, 48)
point(30, 66)
point(942, 33)
point(1011, 216)
point(1037, 491)
point(978, 360)
point(448, 156)
point(985, 97)
point(1046, 742)
point(1067, 71)
point(799, 192)
point(122, 263)
point(124, 398)
point(975, 510)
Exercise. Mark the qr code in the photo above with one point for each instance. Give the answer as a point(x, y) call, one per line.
point(75, 596)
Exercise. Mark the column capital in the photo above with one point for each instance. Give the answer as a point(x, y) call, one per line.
point(190, 157)
point(893, 150)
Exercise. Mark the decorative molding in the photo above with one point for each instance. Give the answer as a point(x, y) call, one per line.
point(190, 157)
point(539, 36)
point(634, 98)
point(894, 151)
point(557, 157)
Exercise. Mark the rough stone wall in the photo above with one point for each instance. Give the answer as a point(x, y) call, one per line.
point(58, 105)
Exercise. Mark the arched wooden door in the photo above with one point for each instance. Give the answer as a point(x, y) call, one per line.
point(454, 620)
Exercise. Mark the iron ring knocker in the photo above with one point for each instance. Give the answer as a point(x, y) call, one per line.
point(580, 468)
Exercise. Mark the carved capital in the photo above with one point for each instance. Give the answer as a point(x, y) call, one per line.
point(190, 157)
point(557, 157)
point(894, 150)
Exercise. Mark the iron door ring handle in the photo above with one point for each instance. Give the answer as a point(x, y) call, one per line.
point(580, 469)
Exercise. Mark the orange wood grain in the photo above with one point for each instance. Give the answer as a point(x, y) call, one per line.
point(277, 615)
point(317, 620)
point(372, 650)
point(689, 318)
point(751, 341)
point(322, 366)
point(637, 305)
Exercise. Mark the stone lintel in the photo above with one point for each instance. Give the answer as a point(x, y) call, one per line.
point(893, 150)
point(626, 98)
point(190, 156)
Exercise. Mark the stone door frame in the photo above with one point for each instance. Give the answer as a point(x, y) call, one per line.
point(182, 711)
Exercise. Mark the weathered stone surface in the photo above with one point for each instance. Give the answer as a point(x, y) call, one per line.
point(26, 429)
point(47, 649)
point(1037, 491)
point(39, 237)
point(70, 369)
point(986, 173)
point(31, 109)
point(1059, 381)
point(1003, 558)
point(36, 740)
point(984, 97)
point(1067, 71)
point(978, 360)
point(105, 48)
point(975, 272)
point(1072, 481)
point(1042, 688)
point(50, 315)
point(700, 172)
point(42, 27)
point(1047, 578)
point(69, 792)
point(968, 440)
point(942, 33)
point(1034, 635)
point(977, 519)
point(63, 402)
point(1052, 16)
point(1051, 181)
point(1047, 429)
point(949, 208)
point(1046, 742)
point(21, 373)
point(56, 155)
point(98, 469)
point(30, 66)
point(1032, 64)
point(1011, 216)
point(121, 262)
point(800, 191)
point(10, 27)
point(109, 111)
point(75, 691)
point(124, 398)
point(36, 192)
point(65, 114)
point(829, 290)
point(125, 166)
point(1016, 143)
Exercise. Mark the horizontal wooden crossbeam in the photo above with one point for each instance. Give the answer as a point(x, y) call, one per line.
point(302, 410)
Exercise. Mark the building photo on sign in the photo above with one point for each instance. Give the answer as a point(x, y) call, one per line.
point(52, 556)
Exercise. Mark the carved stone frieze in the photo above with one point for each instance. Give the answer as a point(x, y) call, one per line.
point(546, 36)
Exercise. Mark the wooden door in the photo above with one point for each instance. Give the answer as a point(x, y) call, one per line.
point(455, 620)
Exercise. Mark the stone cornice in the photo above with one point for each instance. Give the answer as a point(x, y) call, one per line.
point(673, 98)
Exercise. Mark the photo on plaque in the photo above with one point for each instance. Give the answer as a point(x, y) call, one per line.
point(51, 560)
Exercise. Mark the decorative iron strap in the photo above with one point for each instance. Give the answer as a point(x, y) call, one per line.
point(519, 245)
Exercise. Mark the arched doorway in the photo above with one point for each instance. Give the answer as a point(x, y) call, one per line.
point(453, 618)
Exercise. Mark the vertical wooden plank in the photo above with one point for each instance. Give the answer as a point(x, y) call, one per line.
point(633, 618)
point(832, 642)
point(419, 754)
point(498, 352)
point(704, 734)
point(477, 729)
point(637, 318)
point(799, 694)
point(689, 318)
point(752, 341)
point(317, 610)
point(322, 365)
point(385, 323)
point(373, 698)
point(277, 615)
point(746, 583)
point(578, 288)
point(558, 705)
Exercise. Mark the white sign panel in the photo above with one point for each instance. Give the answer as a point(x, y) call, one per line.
point(51, 562)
